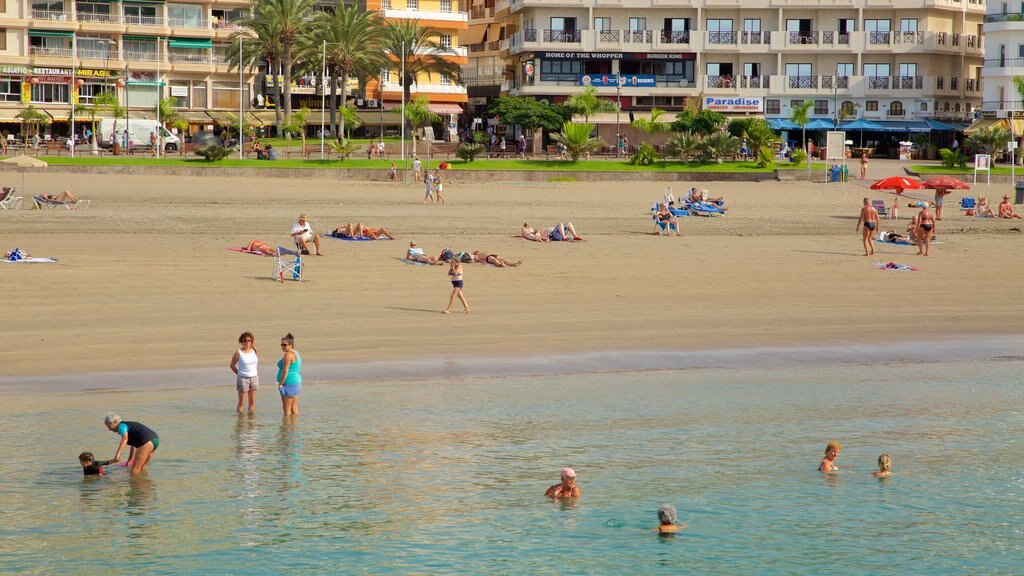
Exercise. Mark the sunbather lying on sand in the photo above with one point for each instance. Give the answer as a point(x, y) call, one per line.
point(359, 231)
point(531, 233)
point(494, 259)
point(415, 254)
point(260, 247)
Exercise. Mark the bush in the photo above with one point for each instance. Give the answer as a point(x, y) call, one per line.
point(213, 153)
point(765, 157)
point(645, 155)
point(799, 157)
point(952, 159)
point(469, 152)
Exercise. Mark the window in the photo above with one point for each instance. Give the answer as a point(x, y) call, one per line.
point(96, 47)
point(847, 107)
point(844, 69)
point(637, 24)
point(412, 4)
point(876, 70)
point(896, 109)
point(878, 31)
point(93, 11)
point(847, 25)
point(603, 23)
point(143, 15)
point(676, 30)
point(751, 69)
point(821, 106)
point(199, 95)
point(179, 94)
point(1020, 50)
point(908, 25)
point(751, 24)
point(720, 31)
point(446, 41)
point(50, 93)
point(772, 106)
point(923, 107)
point(908, 70)
point(90, 90)
point(560, 69)
point(140, 50)
point(227, 94)
point(795, 104)
point(446, 80)
point(799, 76)
point(185, 16)
point(3, 38)
point(871, 105)
point(446, 6)
point(10, 90)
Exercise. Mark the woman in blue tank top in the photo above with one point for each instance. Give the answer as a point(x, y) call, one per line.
point(289, 376)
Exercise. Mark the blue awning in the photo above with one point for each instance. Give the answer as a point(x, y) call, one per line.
point(941, 126)
point(782, 124)
point(904, 126)
point(862, 124)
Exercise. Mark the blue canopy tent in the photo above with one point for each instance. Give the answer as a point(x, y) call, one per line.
point(862, 125)
point(782, 124)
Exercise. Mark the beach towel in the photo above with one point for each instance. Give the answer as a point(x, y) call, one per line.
point(244, 251)
point(895, 267)
point(29, 260)
point(884, 237)
point(414, 262)
point(351, 239)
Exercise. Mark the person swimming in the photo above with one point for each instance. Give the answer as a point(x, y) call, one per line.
point(831, 453)
point(884, 467)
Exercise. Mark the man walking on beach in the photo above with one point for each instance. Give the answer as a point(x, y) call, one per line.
point(869, 218)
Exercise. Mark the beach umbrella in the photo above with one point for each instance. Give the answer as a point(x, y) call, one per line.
point(24, 162)
point(945, 183)
point(897, 183)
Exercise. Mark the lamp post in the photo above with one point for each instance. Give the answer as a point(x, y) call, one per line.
point(71, 93)
point(241, 98)
point(159, 94)
point(835, 101)
point(403, 104)
point(619, 81)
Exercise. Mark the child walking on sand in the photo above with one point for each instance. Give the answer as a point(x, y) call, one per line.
point(884, 467)
point(393, 173)
point(455, 272)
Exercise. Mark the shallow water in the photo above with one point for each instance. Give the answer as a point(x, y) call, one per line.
point(442, 477)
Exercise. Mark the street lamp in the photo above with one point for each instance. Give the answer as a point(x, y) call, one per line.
point(619, 81)
point(835, 100)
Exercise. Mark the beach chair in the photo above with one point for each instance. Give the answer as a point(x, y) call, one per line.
point(883, 210)
point(8, 201)
point(967, 203)
point(287, 263)
point(667, 228)
point(42, 202)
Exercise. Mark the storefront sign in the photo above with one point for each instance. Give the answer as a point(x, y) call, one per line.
point(734, 104)
point(81, 72)
point(609, 80)
point(662, 56)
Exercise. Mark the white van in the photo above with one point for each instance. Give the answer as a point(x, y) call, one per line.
point(138, 131)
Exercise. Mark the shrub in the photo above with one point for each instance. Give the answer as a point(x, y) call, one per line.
point(765, 157)
point(469, 152)
point(952, 158)
point(213, 153)
point(645, 155)
point(799, 157)
point(343, 147)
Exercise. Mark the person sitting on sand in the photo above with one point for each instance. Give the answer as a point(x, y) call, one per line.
point(666, 218)
point(415, 254)
point(1006, 209)
point(562, 231)
point(260, 247)
point(984, 209)
point(667, 520)
point(828, 463)
point(302, 232)
point(884, 467)
point(65, 196)
point(494, 259)
point(531, 233)
point(568, 487)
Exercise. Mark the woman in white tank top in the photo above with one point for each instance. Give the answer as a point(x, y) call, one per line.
point(244, 364)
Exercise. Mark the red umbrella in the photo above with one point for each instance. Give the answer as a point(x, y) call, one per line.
point(897, 183)
point(945, 183)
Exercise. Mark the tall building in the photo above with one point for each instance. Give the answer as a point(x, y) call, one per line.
point(1004, 60)
point(894, 61)
point(55, 52)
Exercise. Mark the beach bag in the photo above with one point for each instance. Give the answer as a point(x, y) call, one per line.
point(464, 257)
point(15, 255)
point(446, 255)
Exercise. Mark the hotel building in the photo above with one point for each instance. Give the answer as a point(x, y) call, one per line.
point(893, 61)
point(1004, 60)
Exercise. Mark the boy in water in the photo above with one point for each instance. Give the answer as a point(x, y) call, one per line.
point(90, 467)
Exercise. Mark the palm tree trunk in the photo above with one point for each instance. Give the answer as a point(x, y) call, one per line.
point(276, 65)
point(287, 63)
point(333, 103)
point(344, 101)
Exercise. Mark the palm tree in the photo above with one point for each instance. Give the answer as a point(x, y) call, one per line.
point(169, 114)
point(33, 118)
point(991, 140)
point(110, 103)
point(290, 19)
point(575, 136)
point(264, 46)
point(586, 103)
point(418, 114)
point(652, 125)
point(801, 116)
point(406, 41)
point(353, 44)
point(349, 119)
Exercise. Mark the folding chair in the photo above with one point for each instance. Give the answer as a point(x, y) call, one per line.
point(285, 265)
point(967, 203)
point(883, 210)
point(8, 201)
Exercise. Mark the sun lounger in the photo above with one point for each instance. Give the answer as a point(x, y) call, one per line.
point(42, 202)
point(8, 201)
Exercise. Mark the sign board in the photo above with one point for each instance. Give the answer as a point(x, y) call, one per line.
point(640, 56)
point(835, 145)
point(179, 91)
point(609, 80)
point(734, 104)
point(983, 162)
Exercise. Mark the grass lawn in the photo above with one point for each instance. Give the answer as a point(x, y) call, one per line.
point(967, 171)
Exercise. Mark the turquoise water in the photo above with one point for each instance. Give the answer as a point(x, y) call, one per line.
point(447, 477)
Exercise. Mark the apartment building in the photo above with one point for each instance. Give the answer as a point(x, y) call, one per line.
point(55, 52)
point(1002, 104)
point(884, 60)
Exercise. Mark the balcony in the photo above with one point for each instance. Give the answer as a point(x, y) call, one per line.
point(89, 17)
point(819, 39)
point(52, 15)
point(675, 36)
point(729, 84)
point(802, 82)
point(835, 82)
point(47, 51)
point(134, 20)
point(1004, 17)
point(406, 14)
point(722, 38)
point(421, 88)
point(96, 54)
point(563, 36)
point(137, 56)
point(755, 38)
point(191, 23)
point(190, 57)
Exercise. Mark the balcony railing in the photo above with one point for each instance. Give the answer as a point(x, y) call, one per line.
point(102, 18)
point(530, 35)
point(755, 82)
point(810, 37)
point(135, 56)
point(755, 37)
point(803, 81)
point(880, 38)
point(179, 58)
point(496, 45)
point(477, 47)
point(477, 12)
point(638, 36)
point(134, 20)
point(97, 53)
point(415, 14)
point(908, 82)
point(566, 36)
point(1005, 17)
point(608, 36)
point(1004, 62)
point(48, 51)
point(722, 37)
point(897, 113)
point(908, 37)
point(58, 15)
point(878, 82)
point(188, 23)
point(675, 36)
point(835, 82)
point(721, 81)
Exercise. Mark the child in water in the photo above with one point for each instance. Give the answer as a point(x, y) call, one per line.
point(884, 467)
point(90, 467)
point(828, 463)
point(667, 520)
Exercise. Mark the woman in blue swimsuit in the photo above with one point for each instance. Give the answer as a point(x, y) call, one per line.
point(289, 376)
point(455, 272)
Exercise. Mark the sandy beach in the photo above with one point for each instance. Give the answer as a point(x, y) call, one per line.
point(145, 280)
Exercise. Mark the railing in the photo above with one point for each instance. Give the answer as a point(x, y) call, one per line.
point(97, 53)
point(134, 56)
point(496, 45)
point(58, 15)
point(940, 38)
point(878, 82)
point(972, 85)
point(477, 12)
point(803, 81)
point(567, 36)
point(177, 58)
point(188, 23)
point(1004, 62)
point(755, 37)
point(221, 24)
point(114, 18)
point(878, 38)
point(835, 82)
point(908, 37)
point(414, 14)
point(755, 82)
point(972, 41)
point(896, 113)
point(52, 52)
point(638, 36)
point(724, 81)
point(609, 36)
point(477, 47)
point(134, 20)
point(954, 83)
point(956, 38)
point(530, 35)
point(908, 82)
point(722, 37)
point(1005, 17)
point(675, 36)
point(940, 83)
point(803, 37)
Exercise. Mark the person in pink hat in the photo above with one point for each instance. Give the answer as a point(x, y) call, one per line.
point(568, 487)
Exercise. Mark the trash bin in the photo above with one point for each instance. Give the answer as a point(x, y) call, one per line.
point(835, 175)
point(845, 174)
point(1019, 196)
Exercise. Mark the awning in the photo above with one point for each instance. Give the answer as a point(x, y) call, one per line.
point(146, 38)
point(252, 118)
point(475, 35)
point(267, 118)
point(782, 124)
point(904, 126)
point(623, 118)
point(51, 33)
point(820, 124)
point(195, 117)
point(987, 123)
point(190, 43)
point(494, 32)
point(941, 126)
point(142, 114)
point(443, 108)
point(9, 115)
point(144, 2)
point(861, 124)
point(222, 117)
